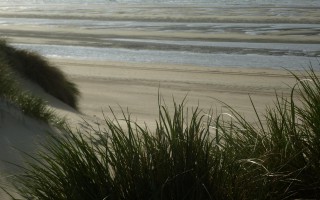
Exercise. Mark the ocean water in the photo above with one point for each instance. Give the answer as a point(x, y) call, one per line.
point(215, 2)
point(97, 15)
point(173, 57)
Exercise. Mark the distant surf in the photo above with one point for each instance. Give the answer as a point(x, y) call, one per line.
point(222, 33)
point(216, 2)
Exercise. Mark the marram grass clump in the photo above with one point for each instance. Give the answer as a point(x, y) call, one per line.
point(15, 63)
point(35, 68)
point(190, 155)
point(11, 93)
point(127, 162)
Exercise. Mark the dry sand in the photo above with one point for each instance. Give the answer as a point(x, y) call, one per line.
point(136, 86)
point(18, 134)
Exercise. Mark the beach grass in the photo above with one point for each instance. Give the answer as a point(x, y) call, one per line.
point(34, 67)
point(15, 63)
point(11, 93)
point(191, 154)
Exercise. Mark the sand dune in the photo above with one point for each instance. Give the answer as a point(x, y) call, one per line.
point(19, 133)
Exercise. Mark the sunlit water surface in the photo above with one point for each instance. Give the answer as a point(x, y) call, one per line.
point(292, 56)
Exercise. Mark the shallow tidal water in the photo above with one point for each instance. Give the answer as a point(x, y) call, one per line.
point(223, 33)
point(172, 57)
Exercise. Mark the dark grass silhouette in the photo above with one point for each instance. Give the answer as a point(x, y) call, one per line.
point(29, 104)
point(190, 155)
point(35, 68)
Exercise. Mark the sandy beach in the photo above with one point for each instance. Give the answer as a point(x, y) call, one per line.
point(136, 87)
point(221, 34)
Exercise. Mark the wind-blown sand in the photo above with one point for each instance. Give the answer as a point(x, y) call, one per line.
point(136, 86)
point(19, 135)
point(22, 136)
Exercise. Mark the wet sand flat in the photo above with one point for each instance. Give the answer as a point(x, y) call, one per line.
point(92, 24)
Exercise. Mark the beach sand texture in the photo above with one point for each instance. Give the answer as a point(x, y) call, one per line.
point(136, 86)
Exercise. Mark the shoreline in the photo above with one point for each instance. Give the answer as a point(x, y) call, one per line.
point(136, 85)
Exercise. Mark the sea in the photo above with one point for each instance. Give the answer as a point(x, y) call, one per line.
point(217, 2)
point(180, 48)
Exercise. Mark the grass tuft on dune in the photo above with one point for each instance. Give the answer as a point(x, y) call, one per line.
point(14, 63)
point(190, 155)
point(29, 104)
point(35, 68)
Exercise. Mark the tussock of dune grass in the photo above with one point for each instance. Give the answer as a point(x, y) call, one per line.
point(29, 104)
point(195, 156)
point(35, 68)
point(14, 63)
